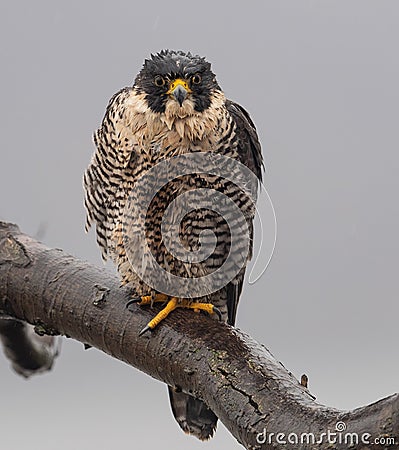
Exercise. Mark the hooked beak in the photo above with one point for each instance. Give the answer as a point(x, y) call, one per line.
point(180, 94)
point(179, 90)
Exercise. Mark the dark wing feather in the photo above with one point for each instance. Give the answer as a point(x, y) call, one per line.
point(105, 174)
point(250, 154)
point(250, 148)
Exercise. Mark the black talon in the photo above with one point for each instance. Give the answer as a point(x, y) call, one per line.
point(144, 330)
point(133, 300)
point(218, 312)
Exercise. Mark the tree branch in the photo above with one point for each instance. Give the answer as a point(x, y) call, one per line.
point(28, 352)
point(251, 392)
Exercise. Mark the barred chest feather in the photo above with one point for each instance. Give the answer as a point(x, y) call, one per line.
point(131, 142)
point(155, 140)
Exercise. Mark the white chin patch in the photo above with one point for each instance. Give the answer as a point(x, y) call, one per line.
point(180, 117)
point(174, 110)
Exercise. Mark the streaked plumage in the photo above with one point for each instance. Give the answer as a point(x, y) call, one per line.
point(144, 125)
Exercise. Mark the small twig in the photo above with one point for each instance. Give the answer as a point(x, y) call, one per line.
point(304, 380)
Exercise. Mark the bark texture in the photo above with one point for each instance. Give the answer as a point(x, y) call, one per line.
point(252, 393)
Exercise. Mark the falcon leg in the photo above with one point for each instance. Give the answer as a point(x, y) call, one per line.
point(174, 303)
point(148, 300)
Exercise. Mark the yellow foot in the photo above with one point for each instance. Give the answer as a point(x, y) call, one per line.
point(172, 304)
point(148, 299)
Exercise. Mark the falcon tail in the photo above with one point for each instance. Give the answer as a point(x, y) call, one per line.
point(193, 416)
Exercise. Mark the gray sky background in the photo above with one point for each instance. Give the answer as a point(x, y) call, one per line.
point(320, 79)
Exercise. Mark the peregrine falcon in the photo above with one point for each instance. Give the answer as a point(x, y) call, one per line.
point(175, 107)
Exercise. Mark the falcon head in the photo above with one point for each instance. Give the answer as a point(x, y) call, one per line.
point(177, 81)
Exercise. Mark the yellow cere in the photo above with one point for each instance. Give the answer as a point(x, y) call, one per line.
point(178, 82)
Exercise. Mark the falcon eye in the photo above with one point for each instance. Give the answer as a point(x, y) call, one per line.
point(159, 81)
point(196, 79)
